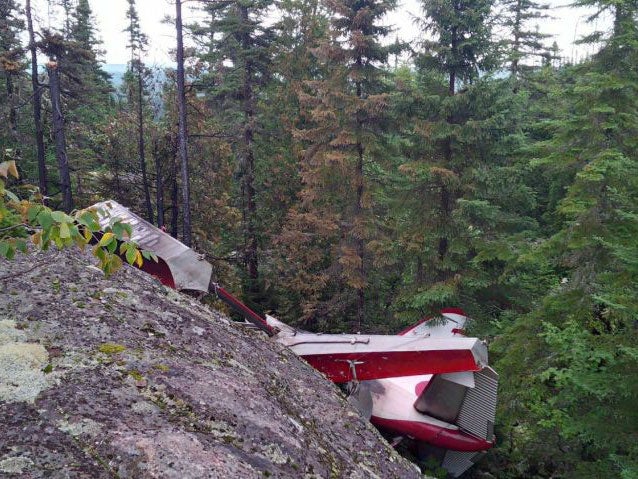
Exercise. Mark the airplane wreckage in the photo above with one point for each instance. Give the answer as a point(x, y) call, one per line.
point(429, 383)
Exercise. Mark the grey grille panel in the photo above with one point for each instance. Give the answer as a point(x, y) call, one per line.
point(479, 406)
point(456, 462)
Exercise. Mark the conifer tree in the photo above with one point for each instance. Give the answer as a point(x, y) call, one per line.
point(59, 133)
point(182, 135)
point(81, 65)
point(524, 40)
point(37, 103)
point(11, 64)
point(582, 336)
point(344, 118)
point(239, 56)
point(446, 135)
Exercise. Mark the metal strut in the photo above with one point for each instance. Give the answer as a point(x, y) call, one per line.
point(242, 309)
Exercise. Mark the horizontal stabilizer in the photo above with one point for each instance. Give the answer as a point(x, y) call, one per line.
point(345, 358)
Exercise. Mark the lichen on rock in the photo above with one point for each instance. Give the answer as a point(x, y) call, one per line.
point(21, 365)
point(178, 392)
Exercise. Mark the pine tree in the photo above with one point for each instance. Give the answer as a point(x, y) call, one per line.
point(343, 119)
point(524, 40)
point(239, 59)
point(11, 65)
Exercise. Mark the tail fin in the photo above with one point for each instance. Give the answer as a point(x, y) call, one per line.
point(450, 323)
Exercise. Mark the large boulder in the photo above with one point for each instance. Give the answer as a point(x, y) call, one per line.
point(122, 377)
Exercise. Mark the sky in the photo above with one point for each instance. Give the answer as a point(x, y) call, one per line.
point(566, 25)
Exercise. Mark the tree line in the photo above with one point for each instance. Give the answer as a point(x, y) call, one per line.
point(347, 181)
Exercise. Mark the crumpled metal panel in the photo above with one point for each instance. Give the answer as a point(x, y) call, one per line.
point(190, 271)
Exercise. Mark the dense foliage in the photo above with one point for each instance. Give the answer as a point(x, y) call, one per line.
point(346, 182)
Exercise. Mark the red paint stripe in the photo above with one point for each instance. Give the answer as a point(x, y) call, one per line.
point(436, 435)
point(453, 311)
point(244, 310)
point(379, 365)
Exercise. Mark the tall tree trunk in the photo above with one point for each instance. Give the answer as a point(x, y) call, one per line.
point(159, 187)
point(446, 194)
point(359, 241)
point(182, 134)
point(60, 139)
point(174, 199)
point(37, 105)
point(13, 112)
point(247, 165)
point(140, 143)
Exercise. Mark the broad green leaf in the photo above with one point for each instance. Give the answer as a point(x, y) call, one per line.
point(131, 255)
point(44, 219)
point(64, 230)
point(90, 220)
point(112, 246)
point(106, 239)
point(60, 217)
point(11, 196)
point(32, 212)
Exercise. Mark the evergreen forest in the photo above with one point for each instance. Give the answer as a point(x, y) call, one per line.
point(345, 181)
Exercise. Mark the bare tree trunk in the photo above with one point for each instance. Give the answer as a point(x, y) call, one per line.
point(359, 241)
point(140, 143)
point(60, 139)
point(159, 187)
point(183, 132)
point(174, 199)
point(13, 113)
point(37, 105)
point(247, 165)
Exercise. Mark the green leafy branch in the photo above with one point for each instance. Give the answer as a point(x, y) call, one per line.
point(23, 220)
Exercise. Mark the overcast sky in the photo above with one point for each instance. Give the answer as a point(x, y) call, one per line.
point(111, 18)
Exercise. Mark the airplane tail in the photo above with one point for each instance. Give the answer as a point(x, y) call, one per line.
point(450, 322)
point(466, 399)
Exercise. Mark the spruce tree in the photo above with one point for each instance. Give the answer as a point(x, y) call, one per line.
point(37, 103)
point(449, 137)
point(344, 116)
point(524, 41)
point(11, 65)
point(182, 136)
point(581, 339)
point(239, 58)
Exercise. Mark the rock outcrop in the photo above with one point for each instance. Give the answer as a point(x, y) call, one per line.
point(122, 377)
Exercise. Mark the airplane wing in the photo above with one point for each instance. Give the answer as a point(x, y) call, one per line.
point(180, 267)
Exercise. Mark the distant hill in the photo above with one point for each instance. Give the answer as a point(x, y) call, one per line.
point(117, 72)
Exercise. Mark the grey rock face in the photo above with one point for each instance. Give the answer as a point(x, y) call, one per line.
point(124, 378)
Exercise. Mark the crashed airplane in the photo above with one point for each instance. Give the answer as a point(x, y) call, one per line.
point(429, 383)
